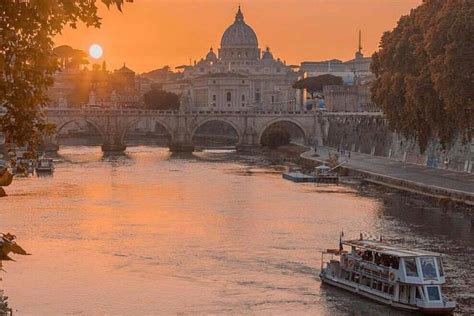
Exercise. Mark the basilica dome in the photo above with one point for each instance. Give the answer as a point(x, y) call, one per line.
point(239, 34)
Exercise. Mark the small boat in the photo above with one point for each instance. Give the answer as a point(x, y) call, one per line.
point(321, 174)
point(45, 165)
point(403, 278)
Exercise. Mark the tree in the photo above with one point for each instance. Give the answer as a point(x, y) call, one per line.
point(275, 136)
point(316, 84)
point(424, 72)
point(28, 62)
point(161, 100)
point(78, 58)
point(64, 53)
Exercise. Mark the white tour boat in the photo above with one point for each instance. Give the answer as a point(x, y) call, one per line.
point(404, 278)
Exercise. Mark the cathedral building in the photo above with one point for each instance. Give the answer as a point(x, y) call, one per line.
point(240, 77)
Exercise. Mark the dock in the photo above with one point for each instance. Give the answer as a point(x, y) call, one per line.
point(299, 177)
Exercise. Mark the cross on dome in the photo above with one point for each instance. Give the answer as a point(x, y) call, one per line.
point(239, 17)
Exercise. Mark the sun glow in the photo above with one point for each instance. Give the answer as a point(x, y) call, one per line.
point(96, 51)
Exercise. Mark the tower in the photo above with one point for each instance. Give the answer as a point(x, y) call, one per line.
point(359, 54)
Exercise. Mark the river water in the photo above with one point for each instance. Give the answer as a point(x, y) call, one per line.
point(208, 233)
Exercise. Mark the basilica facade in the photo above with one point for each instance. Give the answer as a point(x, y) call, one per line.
point(240, 77)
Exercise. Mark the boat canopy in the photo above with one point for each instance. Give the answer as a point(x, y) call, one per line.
point(384, 248)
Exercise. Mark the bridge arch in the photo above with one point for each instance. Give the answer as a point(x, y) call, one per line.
point(284, 121)
point(63, 124)
point(136, 121)
point(218, 119)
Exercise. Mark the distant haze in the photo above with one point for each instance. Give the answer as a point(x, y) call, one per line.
point(152, 33)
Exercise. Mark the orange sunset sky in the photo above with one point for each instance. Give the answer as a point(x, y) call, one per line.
point(152, 33)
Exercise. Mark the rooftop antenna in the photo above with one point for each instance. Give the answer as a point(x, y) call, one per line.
point(360, 42)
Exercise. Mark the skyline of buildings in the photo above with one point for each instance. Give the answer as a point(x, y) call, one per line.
point(241, 76)
point(152, 34)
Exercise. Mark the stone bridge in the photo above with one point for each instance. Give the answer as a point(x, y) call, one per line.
point(114, 124)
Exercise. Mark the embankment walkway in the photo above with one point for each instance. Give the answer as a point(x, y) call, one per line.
point(410, 177)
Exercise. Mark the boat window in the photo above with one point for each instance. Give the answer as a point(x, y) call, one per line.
point(410, 267)
point(428, 267)
point(440, 266)
point(365, 281)
point(395, 263)
point(433, 293)
point(418, 295)
point(374, 284)
point(380, 287)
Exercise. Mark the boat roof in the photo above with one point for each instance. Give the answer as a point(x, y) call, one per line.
point(323, 167)
point(382, 247)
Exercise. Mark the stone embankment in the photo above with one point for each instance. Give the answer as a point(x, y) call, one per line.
point(441, 184)
point(370, 134)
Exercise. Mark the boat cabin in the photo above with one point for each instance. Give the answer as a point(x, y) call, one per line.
point(45, 164)
point(406, 266)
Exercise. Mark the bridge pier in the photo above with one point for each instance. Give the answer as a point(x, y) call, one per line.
point(107, 147)
point(245, 148)
point(181, 147)
point(181, 141)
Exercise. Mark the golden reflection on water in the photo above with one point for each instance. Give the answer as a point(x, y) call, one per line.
point(150, 234)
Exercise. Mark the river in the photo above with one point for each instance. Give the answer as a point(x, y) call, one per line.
point(207, 233)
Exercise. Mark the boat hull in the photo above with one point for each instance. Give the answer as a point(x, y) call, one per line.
point(383, 300)
point(44, 170)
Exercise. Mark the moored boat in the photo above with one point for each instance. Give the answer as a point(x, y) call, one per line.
point(404, 278)
point(45, 165)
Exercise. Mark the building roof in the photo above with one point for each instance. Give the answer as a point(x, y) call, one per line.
point(239, 34)
point(222, 75)
point(125, 69)
point(382, 247)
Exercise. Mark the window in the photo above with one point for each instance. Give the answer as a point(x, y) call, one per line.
point(213, 104)
point(229, 97)
point(214, 97)
point(243, 97)
point(428, 268)
point(273, 99)
point(433, 293)
point(440, 266)
point(257, 97)
point(243, 104)
point(410, 267)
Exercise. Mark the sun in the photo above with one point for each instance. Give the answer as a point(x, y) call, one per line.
point(96, 51)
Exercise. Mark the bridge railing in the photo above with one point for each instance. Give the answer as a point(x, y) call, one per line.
point(99, 111)
point(143, 112)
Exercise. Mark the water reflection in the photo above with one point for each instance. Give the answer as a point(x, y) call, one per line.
point(159, 233)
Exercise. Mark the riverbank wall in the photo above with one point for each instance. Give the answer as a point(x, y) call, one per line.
point(306, 159)
point(439, 194)
point(371, 135)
